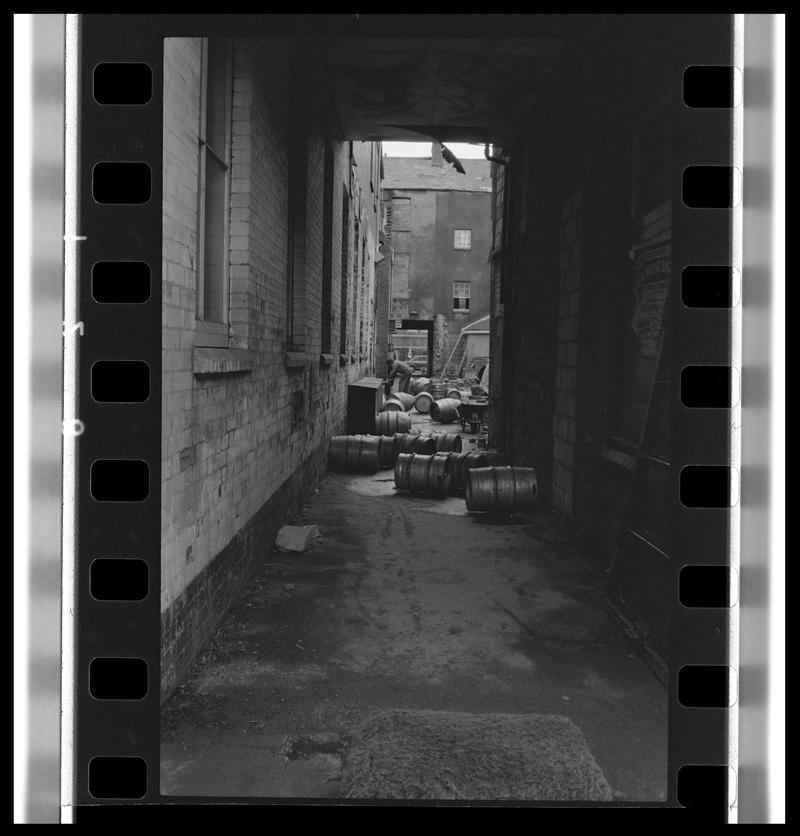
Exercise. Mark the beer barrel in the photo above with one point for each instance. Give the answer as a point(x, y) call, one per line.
point(501, 489)
point(405, 398)
point(418, 385)
point(389, 423)
point(393, 405)
point(416, 444)
point(422, 474)
point(458, 464)
point(388, 448)
point(453, 393)
point(423, 401)
point(354, 453)
point(437, 389)
point(445, 411)
point(446, 442)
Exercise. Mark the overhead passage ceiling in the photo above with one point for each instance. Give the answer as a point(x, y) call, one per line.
point(450, 89)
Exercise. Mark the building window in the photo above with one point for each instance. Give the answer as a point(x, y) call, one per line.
point(345, 272)
point(214, 142)
point(327, 249)
point(296, 253)
point(460, 296)
point(462, 239)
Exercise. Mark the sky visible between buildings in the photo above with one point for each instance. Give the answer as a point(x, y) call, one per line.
point(463, 150)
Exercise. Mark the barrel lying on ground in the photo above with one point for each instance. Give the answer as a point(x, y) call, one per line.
point(418, 385)
point(458, 464)
point(453, 393)
point(501, 489)
point(393, 405)
point(389, 423)
point(407, 443)
point(354, 453)
point(388, 448)
point(405, 398)
point(445, 411)
point(422, 474)
point(423, 401)
point(446, 442)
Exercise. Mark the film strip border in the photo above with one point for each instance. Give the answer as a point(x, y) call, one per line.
point(706, 257)
point(118, 334)
point(118, 423)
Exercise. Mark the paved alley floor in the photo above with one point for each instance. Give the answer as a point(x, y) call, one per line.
point(408, 602)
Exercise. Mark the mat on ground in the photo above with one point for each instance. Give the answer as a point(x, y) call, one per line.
point(453, 755)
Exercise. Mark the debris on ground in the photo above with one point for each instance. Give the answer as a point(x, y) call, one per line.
point(296, 538)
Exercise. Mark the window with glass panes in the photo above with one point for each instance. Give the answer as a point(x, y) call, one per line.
point(462, 239)
point(214, 143)
point(460, 296)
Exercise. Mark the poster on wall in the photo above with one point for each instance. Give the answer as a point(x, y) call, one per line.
point(652, 270)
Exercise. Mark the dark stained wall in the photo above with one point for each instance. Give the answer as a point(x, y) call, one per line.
point(582, 180)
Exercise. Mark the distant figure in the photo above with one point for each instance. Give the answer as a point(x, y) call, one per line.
point(400, 370)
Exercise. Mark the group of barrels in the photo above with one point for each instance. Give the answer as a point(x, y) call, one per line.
point(426, 397)
point(370, 453)
point(485, 487)
point(434, 465)
point(438, 474)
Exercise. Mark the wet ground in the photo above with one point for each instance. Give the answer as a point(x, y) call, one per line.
point(408, 602)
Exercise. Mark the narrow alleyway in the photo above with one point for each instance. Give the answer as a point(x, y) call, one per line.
point(408, 602)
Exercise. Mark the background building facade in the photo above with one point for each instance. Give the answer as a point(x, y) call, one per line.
point(440, 230)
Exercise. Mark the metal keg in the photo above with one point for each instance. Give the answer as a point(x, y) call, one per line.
point(354, 453)
point(423, 401)
point(405, 398)
point(458, 464)
point(453, 393)
point(422, 474)
point(388, 448)
point(445, 411)
point(407, 443)
point(389, 423)
point(418, 385)
point(446, 442)
point(438, 389)
point(393, 405)
point(501, 489)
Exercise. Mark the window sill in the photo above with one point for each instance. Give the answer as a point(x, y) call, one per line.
point(222, 361)
point(325, 359)
point(344, 359)
point(295, 360)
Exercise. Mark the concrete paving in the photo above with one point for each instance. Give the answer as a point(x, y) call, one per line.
point(408, 602)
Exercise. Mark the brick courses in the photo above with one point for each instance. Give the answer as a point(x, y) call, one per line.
point(241, 445)
point(561, 294)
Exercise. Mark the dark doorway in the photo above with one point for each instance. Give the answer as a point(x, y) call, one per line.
point(413, 342)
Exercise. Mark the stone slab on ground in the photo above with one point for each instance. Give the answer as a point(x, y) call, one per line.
point(296, 538)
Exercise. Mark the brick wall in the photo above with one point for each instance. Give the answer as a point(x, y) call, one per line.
point(245, 428)
point(561, 289)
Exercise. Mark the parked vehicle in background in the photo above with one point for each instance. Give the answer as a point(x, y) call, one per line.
point(420, 361)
